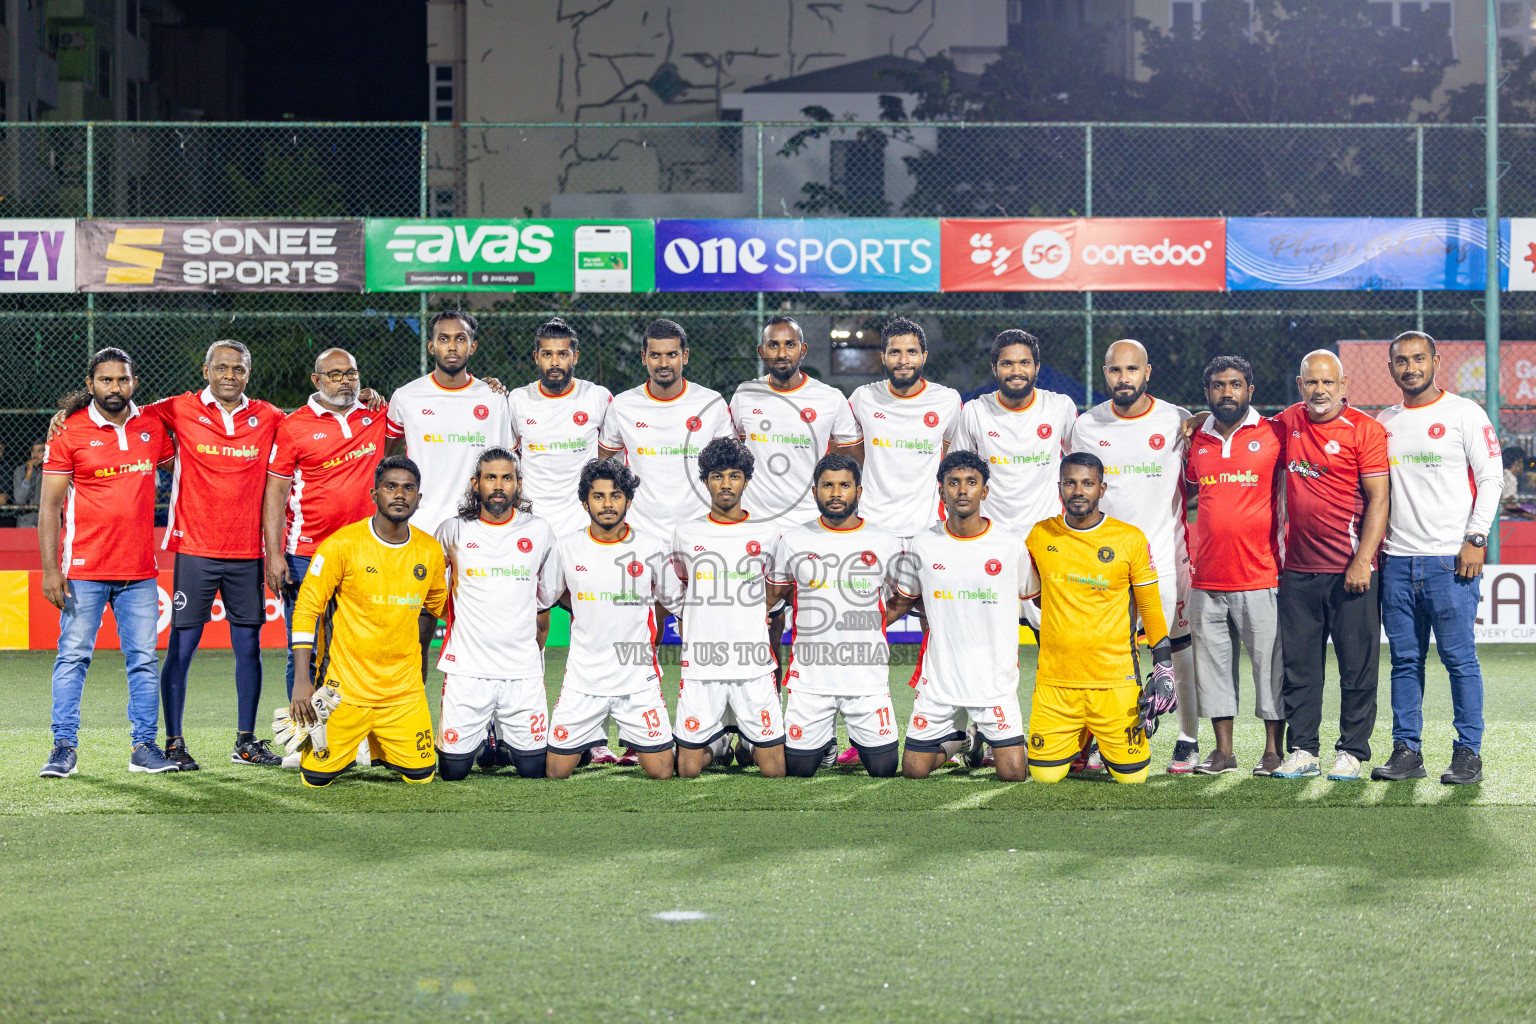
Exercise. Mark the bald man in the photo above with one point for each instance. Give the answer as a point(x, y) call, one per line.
point(1336, 515)
point(319, 475)
point(1139, 440)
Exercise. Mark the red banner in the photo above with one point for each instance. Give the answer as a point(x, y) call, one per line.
point(1463, 370)
point(43, 620)
point(1086, 254)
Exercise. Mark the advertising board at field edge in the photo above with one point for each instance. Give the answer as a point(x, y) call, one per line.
point(1356, 254)
point(43, 620)
point(1083, 254)
point(219, 256)
point(37, 255)
point(1463, 371)
point(876, 254)
point(578, 256)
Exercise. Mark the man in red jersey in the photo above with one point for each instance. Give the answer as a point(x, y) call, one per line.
point(319, 476)
point(1336, 496)
point(1234, 459)
point(96, 529)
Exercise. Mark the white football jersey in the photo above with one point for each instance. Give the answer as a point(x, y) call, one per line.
point(1023, 450)
point(445, 432)
point(661, 442)
point(500, 579)
point(614, 588)
point(787, 433)
point(1447, 472)
point(970, 588)
point(724, 618)
point(842, 579)
point(1143, 460)
point(555, 436)
point(904, 442)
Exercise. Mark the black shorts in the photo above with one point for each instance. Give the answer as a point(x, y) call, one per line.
point(241, 582)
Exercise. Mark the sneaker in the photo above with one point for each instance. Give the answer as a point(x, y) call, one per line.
point(1088, 759)
point(487, 760)
point(1185, 756)
point(975, 749)
point(849, 758)
point(1405, 763)
point(148, 757)
point(255, 752)
point(294, 759)
point(176, 750)
point(61, 763)
point(1346, 767)
point(630, 759)
point(1466, 768)
point(1267, 765)
point(1217, 763)
point(1297, 764)
point(602, 755)
point(720, 752)
point(744, 753)
point(829, 755)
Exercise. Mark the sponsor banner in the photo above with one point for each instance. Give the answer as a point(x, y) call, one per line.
point(42, 618)
point(37, 255)
point(1463, 370)
point(1086, 254)
point(887, 254)
point(219, 256)
point(511, 255)
point(1367, 254)
point(1506, 605)
point(1517, 255)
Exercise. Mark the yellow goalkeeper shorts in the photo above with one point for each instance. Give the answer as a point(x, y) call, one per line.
point(1059, 716)
point(399, 736)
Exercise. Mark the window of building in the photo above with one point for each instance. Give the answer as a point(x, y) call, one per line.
point(1517, 21)
point(104, 73)
point(858, 171)
point(442, 202)
point(1435, 13)
point(1184, 16)
point(443, 92)
point(131, 98)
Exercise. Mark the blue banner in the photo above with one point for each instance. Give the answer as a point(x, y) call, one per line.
point(1356, 254)
point(865, 255)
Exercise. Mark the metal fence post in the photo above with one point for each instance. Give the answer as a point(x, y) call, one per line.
point(1418, 210)
point(421, 298)
point(760, 311)
point(1088, 296)
point(1491, 371)
point(90, 211)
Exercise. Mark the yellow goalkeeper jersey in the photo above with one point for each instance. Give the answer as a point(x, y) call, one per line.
point(1091, 583)
point(365, 596)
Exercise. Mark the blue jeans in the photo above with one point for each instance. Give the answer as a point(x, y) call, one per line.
point(298, 567)
point(137, 607)
point(1419, 594)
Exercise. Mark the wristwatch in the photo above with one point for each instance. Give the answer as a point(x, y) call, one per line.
point(1477, 540)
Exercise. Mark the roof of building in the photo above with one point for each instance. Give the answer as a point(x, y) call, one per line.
point(877, 74)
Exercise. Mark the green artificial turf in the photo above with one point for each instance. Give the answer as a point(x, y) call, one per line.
point(236, 894)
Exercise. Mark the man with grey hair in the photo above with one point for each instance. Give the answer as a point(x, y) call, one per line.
point(1336, 495)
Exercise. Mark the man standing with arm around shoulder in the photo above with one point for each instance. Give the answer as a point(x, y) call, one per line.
point(1437, 445)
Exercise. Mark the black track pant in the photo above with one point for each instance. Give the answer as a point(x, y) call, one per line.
point(1314, 607)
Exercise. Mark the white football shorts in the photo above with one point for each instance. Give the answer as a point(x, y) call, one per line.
point(472, 703)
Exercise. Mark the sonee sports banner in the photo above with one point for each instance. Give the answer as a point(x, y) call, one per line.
point(1085, 254)
point(219, 256)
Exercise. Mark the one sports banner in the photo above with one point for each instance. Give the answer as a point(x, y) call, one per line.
point(1356, 254)
point(885, 254)
point(511, 255)
point(37, 255)
point(219, 256)
point(1084, 254)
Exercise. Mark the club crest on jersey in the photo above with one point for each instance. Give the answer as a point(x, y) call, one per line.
point(367, 420)
point(808, 415)
point(1254, 446)
point(1156, 442)
point(1332, 447)
point(754, 548)
point(919, 722)
point(993, 567)
point(419, 571)
point(868, 558)
point(931, 419)
point(1437, 430)
point(1036, 740)
point(561, 733)
point(144, 436)
point(691, 724)
point(1106, 554)
point(636, 568)
point(795, 732)
point(694, 423)
point(524, 545)
point(482, 411)
point(578, 417)
point(1043, 431)
point(450, 735)
point(252, 421)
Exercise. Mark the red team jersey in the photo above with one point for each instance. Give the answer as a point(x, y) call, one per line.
point(109, 516)
point(1324, 500)
point(221, 472)
point(1236, 537)
point(330, 458)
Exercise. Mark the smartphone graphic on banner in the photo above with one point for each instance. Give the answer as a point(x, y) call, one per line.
point(604, 259)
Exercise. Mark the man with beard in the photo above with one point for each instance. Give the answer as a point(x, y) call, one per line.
point(662, 426)
point(98, 490)
point(499, 556)
point(319, 475)
point(1140, 442)
point(1436, 539)
point(840, 572)
point(368, 582)
point(1235, 461)
point(722, 559)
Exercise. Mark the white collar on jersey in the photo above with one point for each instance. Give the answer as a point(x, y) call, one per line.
point(101, 421)
point(320, 410)
point(206, 397)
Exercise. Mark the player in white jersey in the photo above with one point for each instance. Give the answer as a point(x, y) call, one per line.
point(442, 422)
point(728, 668)
point(1140, 441)
point(493, 662)
point(1021, 432)
point(908, 423)
point(970, 575)
point(661, 426)
point(617, 583)
point(555, 425)
point(840, 571)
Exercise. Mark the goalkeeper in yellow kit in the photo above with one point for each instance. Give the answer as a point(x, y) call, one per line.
point(364, 591)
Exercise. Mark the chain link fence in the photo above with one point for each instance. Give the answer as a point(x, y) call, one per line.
point(124, 171)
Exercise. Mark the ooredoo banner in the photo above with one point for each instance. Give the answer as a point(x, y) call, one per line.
point(1085, 254)
point(1356, 254)
point(895, 254)
point(219, 256)
point(37, 255)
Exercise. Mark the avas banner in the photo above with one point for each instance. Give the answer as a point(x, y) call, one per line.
point(511, 255)
point(886, 254)
point(219, 256)
point(1463, 370)
point(1086, 254)
point(1324, 253)
point(37, 255)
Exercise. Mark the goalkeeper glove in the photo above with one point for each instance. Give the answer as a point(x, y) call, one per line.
point(1160, 694)
point(295, 736)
